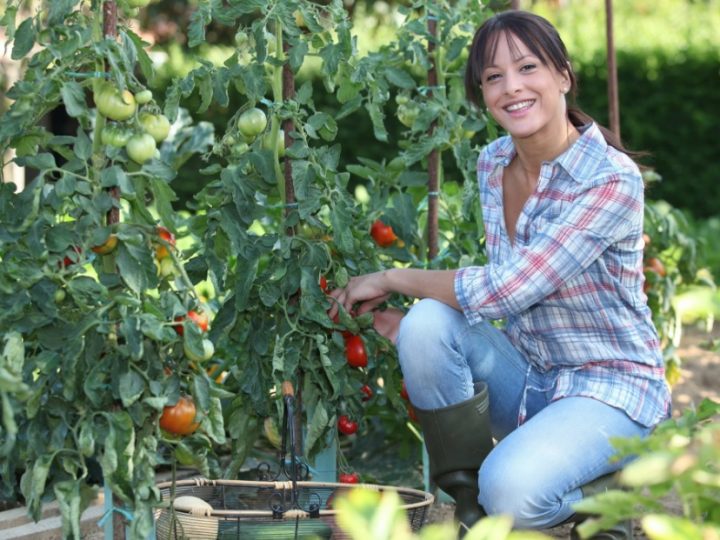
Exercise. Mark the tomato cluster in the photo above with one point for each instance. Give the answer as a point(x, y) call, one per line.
point(346, 426)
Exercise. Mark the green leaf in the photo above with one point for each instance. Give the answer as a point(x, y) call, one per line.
point(318, 425)
point(400, 78)
point(73, 98)
point(143, 58)
point(24, 39)
point(136, 266)
point(213, 423)
point(132, 386)
point(199, 19)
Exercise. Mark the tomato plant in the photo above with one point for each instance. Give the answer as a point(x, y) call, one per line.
point(346, 426)
point(200, 319)
point(367, 391)
point(179, 419)
point(166, 239)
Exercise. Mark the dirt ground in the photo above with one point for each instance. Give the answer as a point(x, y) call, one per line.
point(699, 379)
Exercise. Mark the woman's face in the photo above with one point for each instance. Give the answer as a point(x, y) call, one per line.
point(525, 96)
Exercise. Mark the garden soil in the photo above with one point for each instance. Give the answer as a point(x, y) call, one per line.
point(699, 379)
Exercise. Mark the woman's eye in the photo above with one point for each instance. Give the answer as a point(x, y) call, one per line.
point(528, 67)
point(492, 77)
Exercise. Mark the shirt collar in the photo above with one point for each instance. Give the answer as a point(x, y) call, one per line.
point(577, 161)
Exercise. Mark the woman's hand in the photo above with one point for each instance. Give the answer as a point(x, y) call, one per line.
point(387, 322)
point(361, 294)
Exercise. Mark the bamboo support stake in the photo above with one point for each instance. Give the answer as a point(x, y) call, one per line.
point(613, 97)
point(434, 157)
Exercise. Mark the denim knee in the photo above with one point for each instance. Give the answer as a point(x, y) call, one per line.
point(519, 492)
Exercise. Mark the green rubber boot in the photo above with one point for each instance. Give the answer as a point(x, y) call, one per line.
point(619, 531)
point(457, 439)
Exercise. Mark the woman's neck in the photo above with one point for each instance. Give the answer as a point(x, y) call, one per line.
point(533, 151)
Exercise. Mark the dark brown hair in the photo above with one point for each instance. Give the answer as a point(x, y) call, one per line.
point(543, 40)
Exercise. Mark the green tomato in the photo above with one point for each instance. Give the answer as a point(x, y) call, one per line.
point(59, 296)
point(407, 114)
point(137, 3)
point(141, 148)
point(114, 104)
point(115, 135)
point(156, 125)
point(143, 97)
point(239, 149)
point(208, 351)
point(401, 99)
point(267, 142)
point(252, 122)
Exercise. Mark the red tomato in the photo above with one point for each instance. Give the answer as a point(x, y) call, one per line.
point(355, 351)
point(161, 250)
point(653, 264)
point(201, 319)
point(179, 419)
point(367, 391)
point(411, 413)
point(383, 235)
point(404, 392)
point(67, 261)
point(347, 426)
point(323, 283)
point(349, 478)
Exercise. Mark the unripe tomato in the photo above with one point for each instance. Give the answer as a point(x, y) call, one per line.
point(115, 136)
point(165, 267)
point(157, 125)
point(208, 351)
point(383, 235)
point(267, 142)
point(108, 246)
point(252, 122)
point(59, 296)
point(141, 148)
point(113, 103)
point(407, 113)
point(143, 97)
point(349, 478)
point(355, 351)
point(161, 251)
point(347, 426)
point(179, 419)
point(200, 319)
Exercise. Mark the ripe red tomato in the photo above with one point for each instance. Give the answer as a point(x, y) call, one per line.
point(67, 261)
point(323, 284)
point(349, 478)
point(347, 426)
point(411, 413)
point(367, 391)
point(106, 247)
point(201, 319)
point(161, 250)
point(383, 235)
point(404, 392)
point(355, 351)
point(179, 419)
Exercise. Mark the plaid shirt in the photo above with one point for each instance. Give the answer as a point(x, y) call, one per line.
point(570, 288)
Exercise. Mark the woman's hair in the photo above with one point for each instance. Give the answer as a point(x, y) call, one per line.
point(543, 40)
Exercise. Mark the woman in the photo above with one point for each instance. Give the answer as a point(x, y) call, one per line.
point(578, 361)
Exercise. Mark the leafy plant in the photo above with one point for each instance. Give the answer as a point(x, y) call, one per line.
point(679, 459)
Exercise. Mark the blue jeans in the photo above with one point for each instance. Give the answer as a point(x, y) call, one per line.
point(535, 471)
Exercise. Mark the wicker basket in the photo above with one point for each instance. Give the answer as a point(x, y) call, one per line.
point(248, 510)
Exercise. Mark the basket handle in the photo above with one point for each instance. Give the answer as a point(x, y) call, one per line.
point(287, 389)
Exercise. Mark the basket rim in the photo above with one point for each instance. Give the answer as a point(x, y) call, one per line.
point(427, 498)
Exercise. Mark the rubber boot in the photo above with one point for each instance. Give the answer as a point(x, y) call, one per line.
point(458, 439)
point(620, 531)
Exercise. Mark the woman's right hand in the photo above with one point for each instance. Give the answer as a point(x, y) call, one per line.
point(361, 294)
